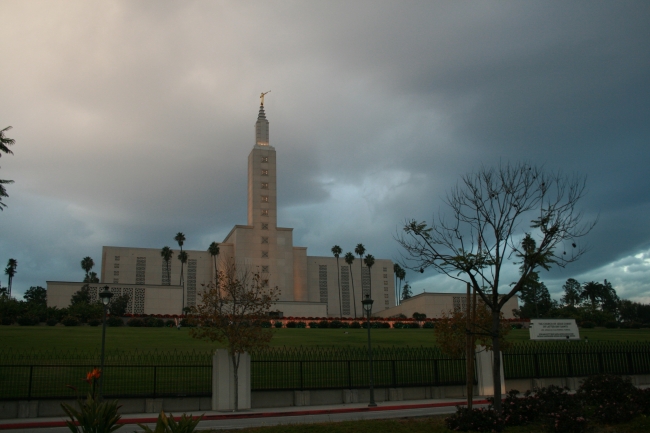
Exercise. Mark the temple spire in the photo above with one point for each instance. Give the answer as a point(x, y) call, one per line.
point(262, 125)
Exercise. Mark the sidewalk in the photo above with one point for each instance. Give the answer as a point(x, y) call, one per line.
point(264, 416)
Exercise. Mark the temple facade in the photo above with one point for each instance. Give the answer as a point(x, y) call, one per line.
point(309, 285)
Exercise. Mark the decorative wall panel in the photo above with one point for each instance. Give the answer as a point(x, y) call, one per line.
point(138, 305)
point(345, 289)
point(140, 268)
point(365, 282)
point(191, 282)
point(322, 282)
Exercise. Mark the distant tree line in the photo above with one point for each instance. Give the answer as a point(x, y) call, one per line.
point(591, 302)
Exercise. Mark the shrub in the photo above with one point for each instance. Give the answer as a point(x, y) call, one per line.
point(518, 410)
point(336, 324)
point(70, 321)
point(313, 324)
point(399, 325)
point(6, 321)
point(114, 321)
point(51, 321)
point(323, 324)
point(419, 316)
point(611, 325)
point(429, 325)
point(27, 320)
point(278, 324)
point(301, 325)
point(94, 322)
point(474, 420)
point(587, 324)
point(135, 323)
point(355, 325)
point(562, 412)
point(414, 325)
point(610, 399)
point(263, 324)
point(159, 323)
point(291, 324)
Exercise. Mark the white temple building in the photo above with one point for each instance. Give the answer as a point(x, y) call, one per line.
point(309, 285)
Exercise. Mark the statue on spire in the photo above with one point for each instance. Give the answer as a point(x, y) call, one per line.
point(262, 97)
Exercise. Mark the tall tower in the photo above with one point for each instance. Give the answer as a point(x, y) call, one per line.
point(262, 185)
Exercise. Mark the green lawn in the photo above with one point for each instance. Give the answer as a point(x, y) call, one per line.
point(88, 338)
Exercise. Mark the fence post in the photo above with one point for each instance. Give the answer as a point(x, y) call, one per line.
point(435, 372)
point(630, 364)
point(601, 365)
point(536, 364)
point(301, 380)
point(349, 375)
point(394, 374)
point(154, 380)
point(29, 392)
point(569, 363)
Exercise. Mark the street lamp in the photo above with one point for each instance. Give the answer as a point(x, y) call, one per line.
point(105, 296)
point(367, 306)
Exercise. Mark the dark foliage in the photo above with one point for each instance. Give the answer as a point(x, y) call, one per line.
point(70, 321)
point(27, 320)
point(610, 399)
point(480, 420)
point(114, 321)
point(355, 325)
point(135, 323)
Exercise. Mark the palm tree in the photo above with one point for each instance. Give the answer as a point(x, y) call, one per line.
point(336, 250)
point(166, 253)
point(180, 238)
point(401, 276)
point(360, 250)
point(4, 142)
point(213, 249)
point(183, 258)
point(10, 271)
point(593, 292)
point(349, 259)
point(396, 269)
point(92, 278)
point(369, 261)
point(87, 264)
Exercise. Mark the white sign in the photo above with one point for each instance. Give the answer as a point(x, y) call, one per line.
point(554, 329)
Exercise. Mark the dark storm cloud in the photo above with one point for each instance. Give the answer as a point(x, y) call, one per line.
point(133, 121)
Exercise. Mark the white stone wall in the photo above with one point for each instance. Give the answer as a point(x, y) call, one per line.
point(434, 304)
point(144, 299)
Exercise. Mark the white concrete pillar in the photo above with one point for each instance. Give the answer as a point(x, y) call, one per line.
point(484, 363)
point(223, 381)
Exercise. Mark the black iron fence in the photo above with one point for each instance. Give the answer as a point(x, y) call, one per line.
point(43, 375)
point(575, 359)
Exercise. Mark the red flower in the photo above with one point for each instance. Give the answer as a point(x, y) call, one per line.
point(95, 374)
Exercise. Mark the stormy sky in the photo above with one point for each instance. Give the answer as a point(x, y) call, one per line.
point(133, 121)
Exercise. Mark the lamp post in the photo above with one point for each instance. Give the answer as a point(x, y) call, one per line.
point(105, 296)
point(367, 306)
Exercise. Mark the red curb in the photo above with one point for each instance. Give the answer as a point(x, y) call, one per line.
point(49, 424)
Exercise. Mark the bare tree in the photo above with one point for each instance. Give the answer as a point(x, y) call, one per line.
point(232, 313)
point(493, 215)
